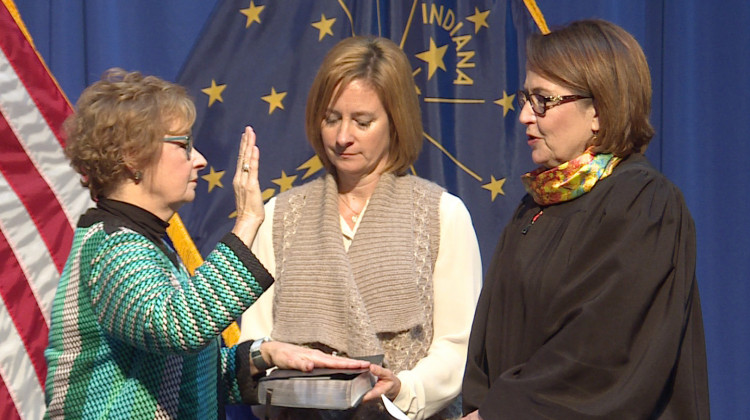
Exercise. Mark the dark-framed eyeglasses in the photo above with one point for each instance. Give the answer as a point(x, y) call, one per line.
point(186, 142)
point(540, 104)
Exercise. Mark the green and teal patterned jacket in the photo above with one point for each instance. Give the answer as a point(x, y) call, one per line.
point(133, 335)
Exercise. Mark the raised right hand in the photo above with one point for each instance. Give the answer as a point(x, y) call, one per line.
point(250, 212)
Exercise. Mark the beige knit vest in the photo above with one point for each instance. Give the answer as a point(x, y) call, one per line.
point(377, 298)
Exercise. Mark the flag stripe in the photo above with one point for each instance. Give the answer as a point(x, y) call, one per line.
point(28, 184)
point(32, 129)
point(28, 248)
point(17, 372)
point(23, 310)
point(47, 161)
point(7, 406)
point(47, 95)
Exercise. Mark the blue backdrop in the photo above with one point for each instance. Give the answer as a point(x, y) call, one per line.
point(697, 51)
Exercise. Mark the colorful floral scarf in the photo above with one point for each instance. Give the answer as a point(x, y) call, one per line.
point(569, 180)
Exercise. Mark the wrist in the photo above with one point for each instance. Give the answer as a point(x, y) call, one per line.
point(403, 400)
point(247, 229)
point(250, 218)
point(394, 392)
point(256, 355)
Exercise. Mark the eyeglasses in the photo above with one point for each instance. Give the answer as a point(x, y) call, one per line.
point(186, 142)
point(540, 104)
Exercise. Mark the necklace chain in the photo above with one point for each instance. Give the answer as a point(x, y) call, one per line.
point(355, 215)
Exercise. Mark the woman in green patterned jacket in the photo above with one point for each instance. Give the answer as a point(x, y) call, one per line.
point(133, 335)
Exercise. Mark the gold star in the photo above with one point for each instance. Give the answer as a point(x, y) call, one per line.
point(312, 165)
point(252, 13)
point(506, 102)
point(324, 26)
point(214, 179)
point(267, 194)
point(214, 92)
point(274, 100)
point(285, 182)
point(479, 19)
point(496, 186)
point(433, 57)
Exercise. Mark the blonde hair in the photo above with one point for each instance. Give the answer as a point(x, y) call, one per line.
point(384, 67)
point(118, 126)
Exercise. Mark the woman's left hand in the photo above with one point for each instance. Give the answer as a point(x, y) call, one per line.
point(388, 384)
point(290, 356)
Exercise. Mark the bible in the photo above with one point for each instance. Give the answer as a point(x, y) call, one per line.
point(327, 389)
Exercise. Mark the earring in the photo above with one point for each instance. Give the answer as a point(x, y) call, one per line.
point(137, 176)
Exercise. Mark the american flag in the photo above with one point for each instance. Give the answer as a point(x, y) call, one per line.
point(40, 201)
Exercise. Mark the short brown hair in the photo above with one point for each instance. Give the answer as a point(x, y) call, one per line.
point(384, 67)
point(600, 59)
point(118, 126)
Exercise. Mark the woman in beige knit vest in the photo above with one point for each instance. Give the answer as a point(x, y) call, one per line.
point(369, 260)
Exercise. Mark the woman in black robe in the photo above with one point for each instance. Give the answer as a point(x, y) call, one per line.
point(590, 308)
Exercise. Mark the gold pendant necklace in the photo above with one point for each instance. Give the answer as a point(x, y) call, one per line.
point(355, 215)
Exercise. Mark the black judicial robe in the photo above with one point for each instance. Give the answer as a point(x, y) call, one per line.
point(593, 312)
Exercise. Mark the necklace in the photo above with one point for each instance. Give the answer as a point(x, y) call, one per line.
point(355, 215)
